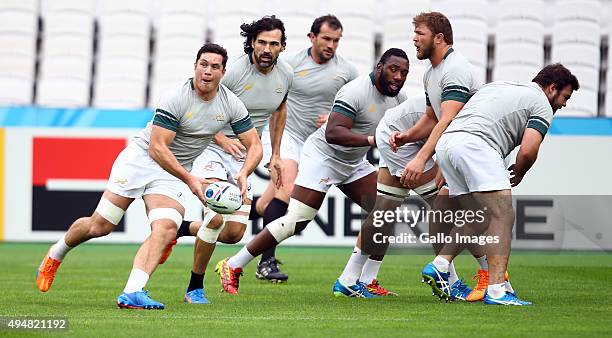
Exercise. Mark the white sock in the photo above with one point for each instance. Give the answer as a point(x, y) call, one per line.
point(137, 281)
point(482, 260)
point(452, 277)
point(496, 290)
point(59, 250)
point(370, 270)
point(242, 258)
point(441, 264)
point(508, 287)
point(352, 270)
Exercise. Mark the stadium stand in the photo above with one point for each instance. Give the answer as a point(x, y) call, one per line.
point(18, 34)
point(226, 24)
point(180, 31)
point(519, 40)
point(357, 44)
point(67, 53)
point(398, 32)
point(124, 54)
point(576, 42)
point(297, 20)
point(470, 29)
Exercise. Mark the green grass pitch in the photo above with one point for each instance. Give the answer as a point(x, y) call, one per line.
point(571, 291)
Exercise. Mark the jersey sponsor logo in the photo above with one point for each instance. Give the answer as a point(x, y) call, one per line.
point(302, 73)
point(279, 90)
point(372, 109)
point(219, 117)
point(189, 115)
point(248, 86)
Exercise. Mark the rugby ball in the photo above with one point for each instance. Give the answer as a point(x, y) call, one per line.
point(223, 197)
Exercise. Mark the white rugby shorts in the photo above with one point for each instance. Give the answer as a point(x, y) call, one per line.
point(469, 164)
point(135, 174)
point(396, 161)
point(290, 149)
point(318, 172)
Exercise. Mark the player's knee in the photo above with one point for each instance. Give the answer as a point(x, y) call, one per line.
point(285, 227)
point(167, 233)
point(261, 205)
point(165, 222)
point(235, 232)
point(284, 193)
point(216, 222)
point(99, 227)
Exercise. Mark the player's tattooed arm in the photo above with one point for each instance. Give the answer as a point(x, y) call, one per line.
point(160, 152)
point(526, 156)
point(339, 132)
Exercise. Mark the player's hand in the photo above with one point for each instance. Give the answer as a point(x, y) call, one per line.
point(515, 175)
point(440, 180)
point(396, 140)
point(412, 172)
point(197, 186)
point(275, 168)
point(242, 183)
point(321, 119)
point(234, 147)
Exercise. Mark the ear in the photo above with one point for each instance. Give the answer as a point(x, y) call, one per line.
point(379, 67)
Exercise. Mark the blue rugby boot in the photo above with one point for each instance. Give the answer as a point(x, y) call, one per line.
point(138, 300)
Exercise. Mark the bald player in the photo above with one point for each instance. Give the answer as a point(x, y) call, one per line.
point(318, 74)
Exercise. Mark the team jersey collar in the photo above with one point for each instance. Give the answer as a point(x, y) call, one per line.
point(372, 78)
point(450, 50)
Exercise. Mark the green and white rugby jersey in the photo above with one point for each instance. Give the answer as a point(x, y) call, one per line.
point(361, 101)
point(501, 111)
point(194, 120)
point(313, 91)
point(453, 79)
point(260, 93)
